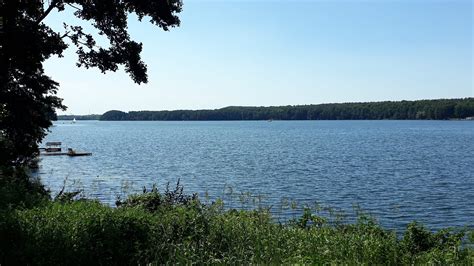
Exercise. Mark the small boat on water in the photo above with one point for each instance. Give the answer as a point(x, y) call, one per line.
point(73, 121)
point(71, 152)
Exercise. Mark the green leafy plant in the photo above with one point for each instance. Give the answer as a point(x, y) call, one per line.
point(172, 227)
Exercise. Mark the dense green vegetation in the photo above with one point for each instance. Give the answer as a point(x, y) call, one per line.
point(422, 109)
point(171, 227)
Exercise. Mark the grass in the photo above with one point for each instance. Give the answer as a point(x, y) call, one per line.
point(171, 227)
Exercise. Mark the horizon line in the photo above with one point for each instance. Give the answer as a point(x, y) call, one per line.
point(262, 106)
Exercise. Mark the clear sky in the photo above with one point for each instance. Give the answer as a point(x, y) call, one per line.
point(286, 52)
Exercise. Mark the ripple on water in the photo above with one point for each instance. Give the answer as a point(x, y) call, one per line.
point(397, 170)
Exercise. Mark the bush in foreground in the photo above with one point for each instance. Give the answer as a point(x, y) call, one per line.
point(174, 228)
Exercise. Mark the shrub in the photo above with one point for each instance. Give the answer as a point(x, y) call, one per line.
point(19, 190)
point(175, 228)
point(153, 200)
point(82, 232)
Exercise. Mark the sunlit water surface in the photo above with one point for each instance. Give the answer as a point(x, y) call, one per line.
point(398, 171)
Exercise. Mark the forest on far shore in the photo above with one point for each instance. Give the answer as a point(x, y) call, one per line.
point(399, 110)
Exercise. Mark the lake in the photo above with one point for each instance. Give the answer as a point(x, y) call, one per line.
point(398, 171)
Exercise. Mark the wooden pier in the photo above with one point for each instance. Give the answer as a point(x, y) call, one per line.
point(53, 149)
point(53, 143)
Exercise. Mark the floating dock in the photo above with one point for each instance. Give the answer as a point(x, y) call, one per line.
point(50, 149)
point(53, 149)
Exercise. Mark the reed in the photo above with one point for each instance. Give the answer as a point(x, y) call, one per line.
point(172, 227)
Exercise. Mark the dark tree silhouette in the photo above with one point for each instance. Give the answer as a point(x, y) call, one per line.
point(27, 96)
point(421, 109)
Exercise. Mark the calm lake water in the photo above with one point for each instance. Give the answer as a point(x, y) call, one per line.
point(398, 171)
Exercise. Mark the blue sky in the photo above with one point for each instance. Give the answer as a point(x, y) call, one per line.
point(262, 52)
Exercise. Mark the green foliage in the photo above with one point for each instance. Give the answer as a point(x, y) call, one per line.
point(114, 115)
point(78, 233)
point(19, 190)
point(419, 240)
point(154, 200)
point(423, 109)
point(171, 227)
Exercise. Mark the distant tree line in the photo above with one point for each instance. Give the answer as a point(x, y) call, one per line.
point(78, 117)
point(421, 109)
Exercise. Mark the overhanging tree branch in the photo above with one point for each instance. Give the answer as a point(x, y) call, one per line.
point(71, 5)
point(26, 41)
point(46, 13)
